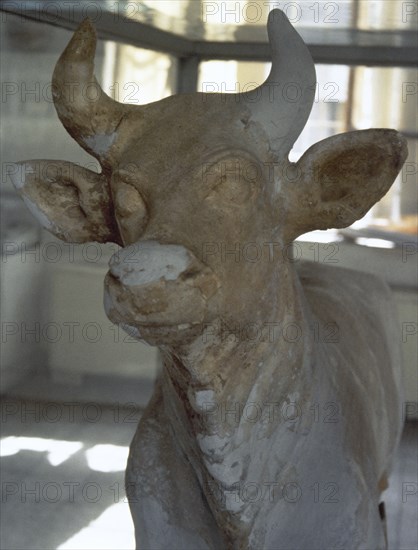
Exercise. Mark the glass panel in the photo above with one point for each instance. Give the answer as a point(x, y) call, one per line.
point(137, 76)
point(231, 76)
point(35, 265)
point(329, 111)
point(386, 98)
point(30, 127)
point(236, 20)
point(386, 14)
point(231, 20)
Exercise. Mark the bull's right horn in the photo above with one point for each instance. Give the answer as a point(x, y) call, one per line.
point(89, 115)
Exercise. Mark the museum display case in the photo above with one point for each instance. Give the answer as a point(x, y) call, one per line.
point(58, 348)
point(365, 54)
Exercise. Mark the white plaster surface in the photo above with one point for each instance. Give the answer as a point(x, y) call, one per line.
point(131, 330)
point(148, 261)
point(100, 143)
point(19, 177)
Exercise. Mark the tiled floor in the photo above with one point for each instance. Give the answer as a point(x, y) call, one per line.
point(62, 478)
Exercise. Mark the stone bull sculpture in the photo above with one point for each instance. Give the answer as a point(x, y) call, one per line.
point(283, 441)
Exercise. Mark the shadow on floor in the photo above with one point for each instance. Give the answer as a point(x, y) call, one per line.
point(62, 478)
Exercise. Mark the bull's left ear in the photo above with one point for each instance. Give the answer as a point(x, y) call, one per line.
point(340, 178)
point(68, 200)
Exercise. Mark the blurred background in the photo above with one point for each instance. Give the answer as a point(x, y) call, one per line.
point(73, 385)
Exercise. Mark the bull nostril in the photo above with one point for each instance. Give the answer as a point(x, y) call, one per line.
point(190, 273)
point(147, 262)
point(128, 200)
point(131, 212)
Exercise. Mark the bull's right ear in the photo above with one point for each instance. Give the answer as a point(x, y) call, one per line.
point(71, 202)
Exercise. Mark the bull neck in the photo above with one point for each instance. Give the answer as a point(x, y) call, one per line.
point(214, 386)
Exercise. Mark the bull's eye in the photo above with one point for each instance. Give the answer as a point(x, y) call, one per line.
point(131, 211)
point(232, 180)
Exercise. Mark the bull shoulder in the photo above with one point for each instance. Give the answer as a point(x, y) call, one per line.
point(346, 286)
point(359, 337)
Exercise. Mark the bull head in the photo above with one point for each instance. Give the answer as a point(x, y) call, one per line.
point(194, 169)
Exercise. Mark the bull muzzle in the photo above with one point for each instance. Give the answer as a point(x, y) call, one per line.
point(156, 286)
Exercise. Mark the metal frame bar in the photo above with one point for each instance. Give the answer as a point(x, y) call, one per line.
point(382, 55)
point(339, 46)
point(187, 74)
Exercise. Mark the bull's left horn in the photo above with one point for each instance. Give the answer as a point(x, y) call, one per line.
point(87, 113)
point(283, 103)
